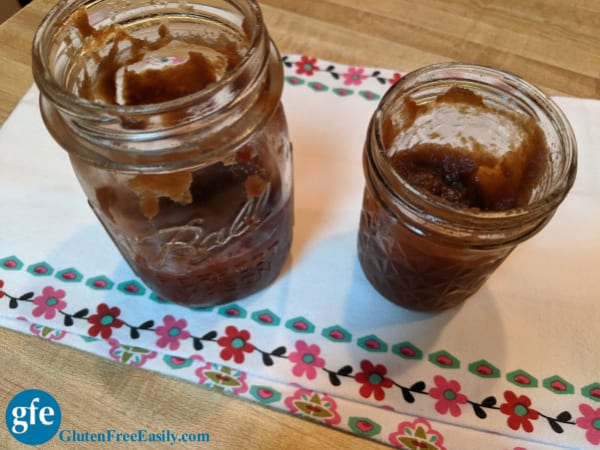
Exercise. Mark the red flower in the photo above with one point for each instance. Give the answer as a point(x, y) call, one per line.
point(234, 344)
point(104, 321)
point(306, 65)
point(373, 380)
point(396, 77)
point(448, 396)
point(518, 411)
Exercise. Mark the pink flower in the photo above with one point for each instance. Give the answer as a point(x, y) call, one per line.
point(49, 303)
point(590, 421)
point(355, 76)
point(171, 332)
point(306, 360)
point(448, 396)
point(306, 66)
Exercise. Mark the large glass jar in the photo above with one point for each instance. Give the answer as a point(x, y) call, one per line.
point(462, 163)
point(171, 115)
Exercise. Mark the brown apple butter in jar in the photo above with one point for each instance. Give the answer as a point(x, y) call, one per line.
point(171, 115)
point(462, 163)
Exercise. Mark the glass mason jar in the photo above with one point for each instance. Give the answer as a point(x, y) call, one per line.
point(462, 163)
point(171, 114)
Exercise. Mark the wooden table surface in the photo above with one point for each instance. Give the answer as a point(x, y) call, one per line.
point(552, 43)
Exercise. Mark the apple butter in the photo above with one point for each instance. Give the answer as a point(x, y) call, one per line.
point(460, 167)
point(172, 118)
point(470, 175)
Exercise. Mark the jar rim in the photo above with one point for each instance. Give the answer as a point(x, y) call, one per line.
point(469, 218)
point(55, 91)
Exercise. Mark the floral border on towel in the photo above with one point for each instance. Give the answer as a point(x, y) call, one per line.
point(371, 381)
point(347, 81)
point(405, 350)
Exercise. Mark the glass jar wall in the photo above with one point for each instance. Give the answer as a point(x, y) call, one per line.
point(171, 115)
point(462, 163)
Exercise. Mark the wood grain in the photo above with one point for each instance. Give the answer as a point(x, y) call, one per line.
point(553, 43)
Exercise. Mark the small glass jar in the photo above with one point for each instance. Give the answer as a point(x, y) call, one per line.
point(462, 163)
point(171, 114)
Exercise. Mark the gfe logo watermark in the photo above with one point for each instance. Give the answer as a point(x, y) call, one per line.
point(33, 417)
